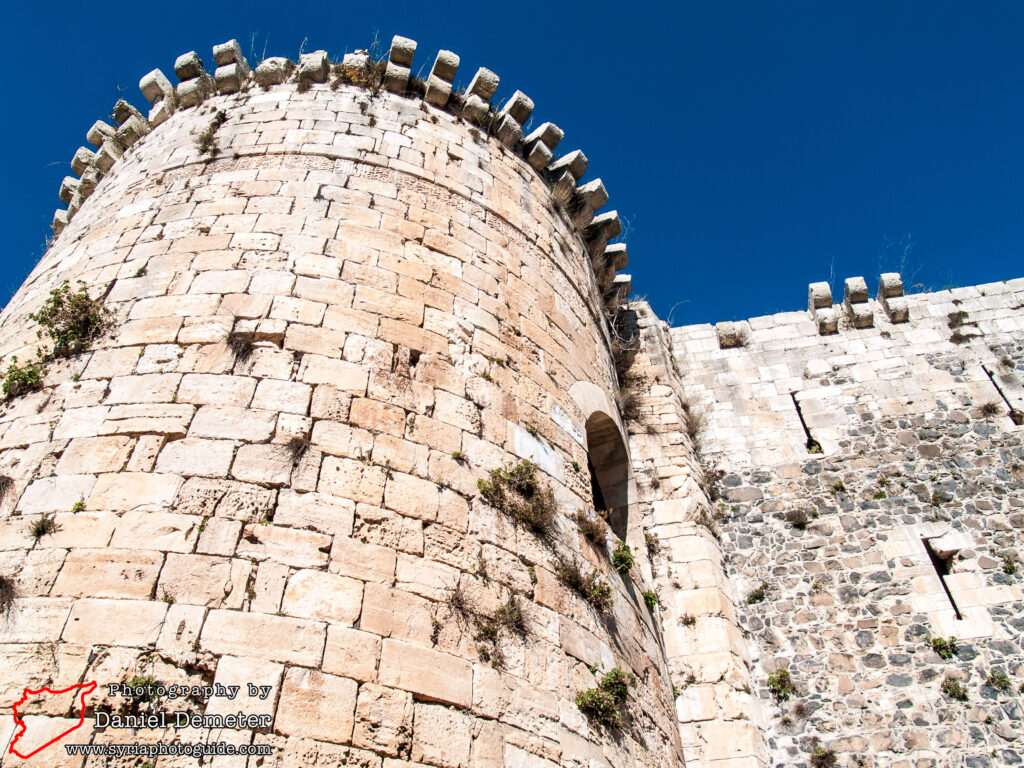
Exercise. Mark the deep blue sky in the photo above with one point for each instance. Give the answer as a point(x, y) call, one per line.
point(753, 147)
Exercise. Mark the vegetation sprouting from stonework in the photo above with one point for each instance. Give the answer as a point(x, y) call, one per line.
point(592, 526)
point(44, 526)
point(207, 140)
point(781, 685)
point(21, 379)
point(623, 557)
point(6, 483)
point(71, 320)
point(954, 689)
point(587, 583)
point(603, 705)
point(823, 757)
point(6, 595)
point(241, 345)
point(516, 490)
point(945, 648)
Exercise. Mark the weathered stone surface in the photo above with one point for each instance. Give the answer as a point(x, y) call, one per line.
point(323, 596)
point(276, 638)
point(428, 674)
point(317, 706)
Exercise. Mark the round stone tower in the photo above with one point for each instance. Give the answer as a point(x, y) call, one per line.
point(340, 443)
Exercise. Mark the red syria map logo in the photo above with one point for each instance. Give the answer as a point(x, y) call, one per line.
point(20, 727)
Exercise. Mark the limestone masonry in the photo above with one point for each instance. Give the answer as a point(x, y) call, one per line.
point(375, 465)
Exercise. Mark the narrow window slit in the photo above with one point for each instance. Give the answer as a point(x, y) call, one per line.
point(942, 567)
point(813, 446)
point(1015, 413)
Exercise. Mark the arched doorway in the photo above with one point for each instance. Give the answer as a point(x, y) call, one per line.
point(609, 470)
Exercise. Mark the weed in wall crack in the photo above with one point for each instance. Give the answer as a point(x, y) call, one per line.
point(7, 595)
point(516, 490)
point(207, 138)
point(44, 526)
point(241, 345)
point(589, 585)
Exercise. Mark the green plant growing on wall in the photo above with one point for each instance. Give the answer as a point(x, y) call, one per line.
point(623, 557)
point(1009, 563)
point(945, 648)
point(758, 594)
point(954, 689)
point(837, 487)
point(517, 491)
point(603, 704)
point(44, 526)
point(589, 586)
point(20, 380)
point(651, 598)
point(72, 320)
point(592, 527)
point(652, 543)
point(998, 680)
point(780, 684)
point(822, 757)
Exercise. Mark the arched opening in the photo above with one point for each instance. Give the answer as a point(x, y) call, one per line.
point(608, 463)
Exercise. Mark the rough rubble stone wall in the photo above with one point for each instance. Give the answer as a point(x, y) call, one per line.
point(719, 718)
point(917, 445)
point(413, 292)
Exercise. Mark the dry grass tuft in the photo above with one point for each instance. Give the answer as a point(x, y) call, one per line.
point(241, 345)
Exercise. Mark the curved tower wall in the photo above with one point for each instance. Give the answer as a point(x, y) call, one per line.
point(423, 310)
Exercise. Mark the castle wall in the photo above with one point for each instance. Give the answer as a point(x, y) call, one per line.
point(917, 445)
point(300, 517)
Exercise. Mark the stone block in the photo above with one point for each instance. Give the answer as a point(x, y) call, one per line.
point(549, 134)
point(314, 67)
point(484, 84)
point(109, 153)
point(431, 675)
point(219, 537)
point(286, 396)
point(189, 66)
point(509, 132)
point(233, 423)
point(82, 160)
point(538, 156)
point(402, 51)
point(165, 531)
point(890, 285)
point(368, 562)
point(156, 87)
point(228, 53)
point(595, 194)
point(231, 78)
point(68, 189)
point(819, 296)
point(519, 107)
point(55, 494)
point(323, 596)
point(855, 290)
point(214, 582)
point(439, 82)
point(130, 574)
point(315, 512)
point(123, 112)
point(131, 623)
point(35, 620)
point(99, 132)
point(121, 491)
point(133, 129)
point(235, 670)
point(384, 720)
point(442, 736)
point(274, 638)
point(352, 653)
point(193, 92)
point(60, 221)
point(299, 549)
point(575, 162)
point(268, 464)
point(827, 321)
point(316, 706)
point(273, 71)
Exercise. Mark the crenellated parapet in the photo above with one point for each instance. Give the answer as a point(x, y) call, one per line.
point(579, 200)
